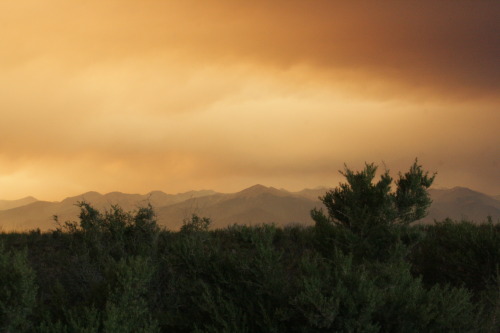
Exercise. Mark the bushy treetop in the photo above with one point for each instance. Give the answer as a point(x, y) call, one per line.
point(360, 203)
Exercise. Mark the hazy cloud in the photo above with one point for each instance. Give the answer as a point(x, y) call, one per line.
point(179, 95)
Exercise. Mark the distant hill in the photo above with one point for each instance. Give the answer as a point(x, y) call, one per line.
point(254, 205)
point(8, 204)
point(31, 216)
point(312, 194)
point(462, 203)
point(40, 214)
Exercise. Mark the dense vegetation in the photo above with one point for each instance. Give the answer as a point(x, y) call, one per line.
point(361, 268)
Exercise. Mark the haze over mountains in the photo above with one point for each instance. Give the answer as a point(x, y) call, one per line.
point(462, 203)
point(7, 204)
point(254, 205)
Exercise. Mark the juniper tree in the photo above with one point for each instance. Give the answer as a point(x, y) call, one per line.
point(361, 204)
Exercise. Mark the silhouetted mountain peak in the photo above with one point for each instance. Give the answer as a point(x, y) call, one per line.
point(256, 187)
point(259, 189)
point(463, 190)
point(458, 193)
point(461, 203)
point(8, 204)
point(87, 196)
point(256, 204)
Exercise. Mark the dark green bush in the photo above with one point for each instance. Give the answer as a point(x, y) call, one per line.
point(336, 296)
point(459, 253)
point(127, 308)
point(17, 291)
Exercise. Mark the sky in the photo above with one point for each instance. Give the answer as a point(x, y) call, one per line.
point(135, 96)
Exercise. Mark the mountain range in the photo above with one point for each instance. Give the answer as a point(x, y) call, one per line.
point(254, 205)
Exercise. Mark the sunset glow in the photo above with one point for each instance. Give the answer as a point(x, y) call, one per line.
point(136, 96)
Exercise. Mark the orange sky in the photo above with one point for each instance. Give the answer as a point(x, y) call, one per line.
point(136, 96)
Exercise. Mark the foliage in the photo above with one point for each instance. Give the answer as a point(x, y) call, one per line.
point(17, 291)
point(410, 307)
point(337, 296)
point(411, 197)
point(115, 233)
point(370, 222)
point(361, 205)
point(195, 224)
point(119, 272)
point(127, 307)
point(461, 253)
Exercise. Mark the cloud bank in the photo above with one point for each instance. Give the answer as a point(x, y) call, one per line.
point(179, 95)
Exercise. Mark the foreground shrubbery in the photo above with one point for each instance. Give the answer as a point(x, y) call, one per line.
point(118, 272)
point(250, 279)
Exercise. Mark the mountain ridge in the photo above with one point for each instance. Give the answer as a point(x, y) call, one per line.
point(460, 203)
point(8, 204)
point(253, 205)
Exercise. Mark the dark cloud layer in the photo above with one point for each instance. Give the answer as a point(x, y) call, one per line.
point(451, 46)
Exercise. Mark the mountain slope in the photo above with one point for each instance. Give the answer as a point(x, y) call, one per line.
point(40, 214)
point(312, 193)
point(462, 203)
point(254, 205)
point(9, 204)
